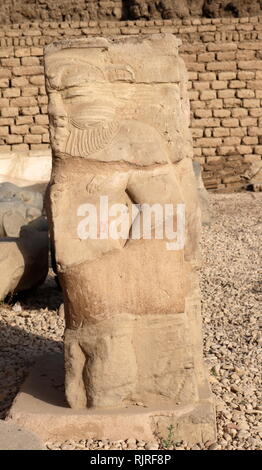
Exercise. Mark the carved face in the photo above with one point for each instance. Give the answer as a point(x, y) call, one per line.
point(82, 105)
point(89, 105)
point(92, 91)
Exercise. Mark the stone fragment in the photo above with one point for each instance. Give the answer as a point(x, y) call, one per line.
point(12, 217)
point(18, 206)
point(24, 260)
point(26, 169)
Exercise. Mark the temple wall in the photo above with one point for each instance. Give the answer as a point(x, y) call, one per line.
point(223, 57)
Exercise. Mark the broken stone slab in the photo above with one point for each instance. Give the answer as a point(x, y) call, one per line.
point(12, 218)
point(24, 260)
point(26, 169)
point(13, 437)
point(202, 194)
point(18, 206)
point(10, 191)
point(40, 407)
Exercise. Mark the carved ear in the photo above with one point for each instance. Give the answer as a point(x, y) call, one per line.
point(12, 223)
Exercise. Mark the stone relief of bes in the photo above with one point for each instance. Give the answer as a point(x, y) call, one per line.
point(119, 128)
point(103, 115)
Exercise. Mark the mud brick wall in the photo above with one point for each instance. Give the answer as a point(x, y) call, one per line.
point(223, 57)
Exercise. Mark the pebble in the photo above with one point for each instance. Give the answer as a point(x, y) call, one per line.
point(243, 425)
point(152, 446)
point(131, 442)
point(17, 307)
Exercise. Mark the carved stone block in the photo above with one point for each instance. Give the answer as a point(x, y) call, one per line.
point(119, 115)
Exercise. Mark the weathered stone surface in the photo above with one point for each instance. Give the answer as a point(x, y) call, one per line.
point(9, 191)
point(40, 407)
point(18, 206)
point(26, 168)
point(24, 260)
point(13, 437)
point(120, 129)
point(202, 194)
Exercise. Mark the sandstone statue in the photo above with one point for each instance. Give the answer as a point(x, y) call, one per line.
point(24, 259)
point(122, 146)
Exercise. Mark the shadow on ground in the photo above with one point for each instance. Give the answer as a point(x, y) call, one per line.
point(20, 345)
point(47, 296)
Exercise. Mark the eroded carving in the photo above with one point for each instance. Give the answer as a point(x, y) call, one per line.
point(119, 132)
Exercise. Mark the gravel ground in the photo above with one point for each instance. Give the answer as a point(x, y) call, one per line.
point(231, 292)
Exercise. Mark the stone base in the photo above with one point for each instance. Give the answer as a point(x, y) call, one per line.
point(14, 438)
point(40, 407)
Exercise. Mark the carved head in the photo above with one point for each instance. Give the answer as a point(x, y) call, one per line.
point(93, 87)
